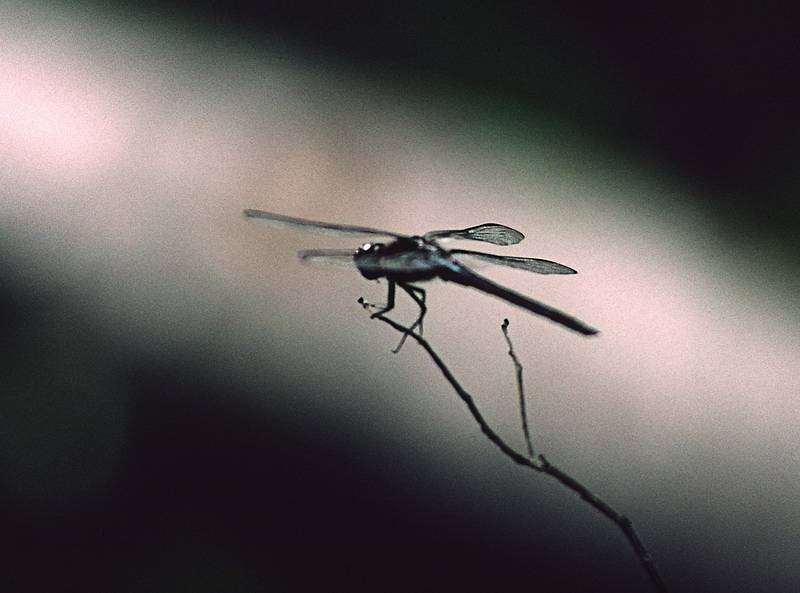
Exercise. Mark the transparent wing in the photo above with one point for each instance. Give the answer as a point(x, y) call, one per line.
point(497, 234)
point(403, 263)
point(313, 225)
point(530, 264)
point(336, 257)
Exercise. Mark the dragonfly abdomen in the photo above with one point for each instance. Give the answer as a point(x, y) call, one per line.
point(469, 278)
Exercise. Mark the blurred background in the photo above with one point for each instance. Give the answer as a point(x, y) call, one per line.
point(184, 407)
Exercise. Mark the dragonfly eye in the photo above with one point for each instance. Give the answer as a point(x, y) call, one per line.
point(370, 247)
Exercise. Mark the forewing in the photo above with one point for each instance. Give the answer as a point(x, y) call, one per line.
point(497, 234)
point(316, 226)
point(336, 257)
point(529, 264)
point(400, 263)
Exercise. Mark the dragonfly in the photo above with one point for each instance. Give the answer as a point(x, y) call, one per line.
point(406, 259)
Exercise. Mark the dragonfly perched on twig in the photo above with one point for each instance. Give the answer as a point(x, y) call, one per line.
point(414, 258)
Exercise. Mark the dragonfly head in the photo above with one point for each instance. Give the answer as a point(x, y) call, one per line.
point(367, 259)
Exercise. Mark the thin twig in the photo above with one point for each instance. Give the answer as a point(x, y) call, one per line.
point(520, 389)
point(540, 464)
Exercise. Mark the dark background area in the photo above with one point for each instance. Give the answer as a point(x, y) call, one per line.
point(212, 493)
point(215, 496)
point(707, 90)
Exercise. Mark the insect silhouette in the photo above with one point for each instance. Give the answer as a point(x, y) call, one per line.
point(406, 259)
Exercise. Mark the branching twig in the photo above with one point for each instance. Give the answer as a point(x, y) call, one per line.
point(539, 463)
point(520, 389)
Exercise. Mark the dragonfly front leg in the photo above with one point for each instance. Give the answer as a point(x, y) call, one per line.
point(384, 308)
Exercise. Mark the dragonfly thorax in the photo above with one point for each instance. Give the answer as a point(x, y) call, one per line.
point(405, 259)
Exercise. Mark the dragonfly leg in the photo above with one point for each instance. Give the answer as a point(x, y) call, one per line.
point(413, 292)
point(389, 302)
point(418, 294)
